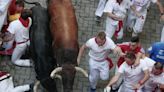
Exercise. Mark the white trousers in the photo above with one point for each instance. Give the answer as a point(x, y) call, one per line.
point(22, 88)
point(111, 28)
point(135, 22)
point(7, 85)
point(8, 45)
point(100, 8)
point(119, 81)
point(18, 52)
point(162, 35)
point(4, 4)
point(125, 89)
point(98, 70)
point(148, 90)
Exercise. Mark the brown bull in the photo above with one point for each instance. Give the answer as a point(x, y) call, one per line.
point(63, 26)
point(64, 29)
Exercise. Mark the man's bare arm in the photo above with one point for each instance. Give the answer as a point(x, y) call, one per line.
point(160, 7)
point(135, 11)
point(117, 50)
point(138, 57)
point(141, 82)
point(81, 51)
point(114, 79)
point(113, 16)
point(146, 77)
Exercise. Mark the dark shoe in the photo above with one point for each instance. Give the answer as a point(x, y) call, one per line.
point(114, 90)
point(98, 19)
point(2, 49)
point(31, 88)
point(129, 29)
point(92, 90)
point(134, 34)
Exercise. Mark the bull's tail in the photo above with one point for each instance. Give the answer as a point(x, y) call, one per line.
point(35, 3)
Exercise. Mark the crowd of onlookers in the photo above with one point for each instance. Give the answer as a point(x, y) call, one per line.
point(137, 70)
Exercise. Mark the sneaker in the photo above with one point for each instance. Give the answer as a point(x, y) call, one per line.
point(114, 90)
point(98, 19)
point(129, 29)
point(92, 90)
point(134, 34)
point(2, 49)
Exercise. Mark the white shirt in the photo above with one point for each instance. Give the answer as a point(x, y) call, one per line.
point(142, 5)
point(21, 33)
point(149, 62)
point(100, 52)
point(119, 10)
point(151, 83)
point(4, 4)
point(132, 75)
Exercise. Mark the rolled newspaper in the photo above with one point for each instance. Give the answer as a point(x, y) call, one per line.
point(107, 89)
point(1, 41)
point(162, 18)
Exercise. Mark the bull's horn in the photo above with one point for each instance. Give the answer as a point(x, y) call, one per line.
point(58, 76)
point(82, 70)
point(36, 86)
point(58, 69)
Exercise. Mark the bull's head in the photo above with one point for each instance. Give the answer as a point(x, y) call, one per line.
point(68, 74)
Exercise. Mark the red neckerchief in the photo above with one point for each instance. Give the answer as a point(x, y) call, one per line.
point(12, 7)
point(119, 2)
point(120, 25)
point(137, 49)
point(2, 73)
point(95, 40)
point(25, 23)
point(110, 62)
